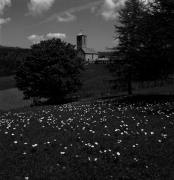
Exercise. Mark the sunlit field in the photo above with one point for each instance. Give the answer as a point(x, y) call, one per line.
point(100, 140)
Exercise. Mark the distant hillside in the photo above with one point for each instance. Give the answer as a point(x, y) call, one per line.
point(9, 59)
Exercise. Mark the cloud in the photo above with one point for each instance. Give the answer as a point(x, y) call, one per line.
point(109, 10)
point(4, 21)
point(37, 7)
point(56, 35)
point(37, 38)
point(68, 15)
point(3, 4)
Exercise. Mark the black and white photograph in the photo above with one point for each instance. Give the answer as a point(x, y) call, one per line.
point(86, 89)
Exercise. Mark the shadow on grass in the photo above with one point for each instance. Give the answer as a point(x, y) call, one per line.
point(148, 98)
point(133, 99)
point(54, 101)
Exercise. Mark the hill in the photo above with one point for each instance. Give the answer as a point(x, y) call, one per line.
point(99, 140)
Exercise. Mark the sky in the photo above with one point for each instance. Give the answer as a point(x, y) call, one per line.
point(24, 22)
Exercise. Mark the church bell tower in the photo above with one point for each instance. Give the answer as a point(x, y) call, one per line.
point(81, 41)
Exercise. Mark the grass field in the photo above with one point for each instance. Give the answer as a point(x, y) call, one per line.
point(12, 99)
point(119, 141)
point(95, 81)
point(7, 82)
point(96, 84)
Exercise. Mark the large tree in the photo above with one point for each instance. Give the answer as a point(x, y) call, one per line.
point(162, 16)
point(146, 39)
point(51, 71)
point(127, 33)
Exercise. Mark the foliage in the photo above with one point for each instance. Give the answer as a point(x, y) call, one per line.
point(51, 71)
point(10, 58)
point(163, 27)
point(145, 34)
point(127, 32)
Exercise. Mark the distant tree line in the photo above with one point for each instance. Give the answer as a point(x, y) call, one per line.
point(145, 32)
point(10, 58)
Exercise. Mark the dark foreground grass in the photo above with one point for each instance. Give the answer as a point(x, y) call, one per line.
point(126, 141)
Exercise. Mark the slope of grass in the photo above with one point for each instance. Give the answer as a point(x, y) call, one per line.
point(7, 82)
point(125, 141)
point(96, 84)
point(96, 81)
point(11, 99)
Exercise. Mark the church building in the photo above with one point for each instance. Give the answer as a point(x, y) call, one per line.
point(87, 54)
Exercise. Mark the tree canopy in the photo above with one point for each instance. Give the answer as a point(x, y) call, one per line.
point(51, 71)
point(146, 40)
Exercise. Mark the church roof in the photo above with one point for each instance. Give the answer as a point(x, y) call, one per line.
point(89, 51)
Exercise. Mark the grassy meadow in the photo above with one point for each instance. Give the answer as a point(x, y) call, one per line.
point(96, 81)
point(7, 82)
point(97, 140)
point(115, 138)
point(12, 99)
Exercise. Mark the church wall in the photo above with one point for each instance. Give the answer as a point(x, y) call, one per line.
point(91, 57)
point(95, 56)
